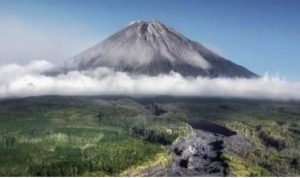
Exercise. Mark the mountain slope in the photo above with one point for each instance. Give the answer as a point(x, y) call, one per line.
point(153, 48)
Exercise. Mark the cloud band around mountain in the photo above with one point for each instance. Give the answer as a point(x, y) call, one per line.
point(30, 80)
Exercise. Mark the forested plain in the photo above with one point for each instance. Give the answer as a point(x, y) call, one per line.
point(107, 136)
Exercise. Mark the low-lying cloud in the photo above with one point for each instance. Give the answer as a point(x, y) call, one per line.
point(30, 80)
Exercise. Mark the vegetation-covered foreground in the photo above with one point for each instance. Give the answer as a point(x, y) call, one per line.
point(90, 136)
point(66, 136)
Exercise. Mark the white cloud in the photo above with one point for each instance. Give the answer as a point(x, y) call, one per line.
point(214, 48)
point(29, 80)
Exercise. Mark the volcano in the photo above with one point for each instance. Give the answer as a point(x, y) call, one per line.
point(152, 48)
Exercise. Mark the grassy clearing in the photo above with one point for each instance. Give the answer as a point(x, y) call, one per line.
point(242, 168)
point(161, 160)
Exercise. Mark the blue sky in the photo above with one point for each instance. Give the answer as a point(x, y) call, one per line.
point(262, 35)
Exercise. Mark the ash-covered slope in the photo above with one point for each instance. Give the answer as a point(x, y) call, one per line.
point(153, 48)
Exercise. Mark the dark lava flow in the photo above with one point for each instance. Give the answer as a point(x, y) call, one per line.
point(200, 154)
point(212, 127)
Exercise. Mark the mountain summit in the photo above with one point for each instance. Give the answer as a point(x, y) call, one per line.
point(152, 48)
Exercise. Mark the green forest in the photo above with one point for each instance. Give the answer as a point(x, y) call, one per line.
point(94, 136)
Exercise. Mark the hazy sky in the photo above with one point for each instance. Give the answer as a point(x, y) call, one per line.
point(262, 35)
